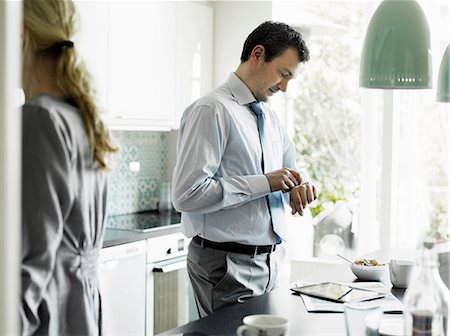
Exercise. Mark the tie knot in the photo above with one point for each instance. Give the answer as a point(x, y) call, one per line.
point(256, 108)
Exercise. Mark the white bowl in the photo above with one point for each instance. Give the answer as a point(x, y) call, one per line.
point(368, 273)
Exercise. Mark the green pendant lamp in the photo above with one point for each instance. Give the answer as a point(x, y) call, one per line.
point(443, 84)
point(396, 52)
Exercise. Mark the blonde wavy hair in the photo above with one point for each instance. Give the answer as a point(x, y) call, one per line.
point(47, 23)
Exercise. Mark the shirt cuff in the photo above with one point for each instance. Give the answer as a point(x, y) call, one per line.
point(259, 185)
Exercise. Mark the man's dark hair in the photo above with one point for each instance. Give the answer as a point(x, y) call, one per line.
point(276, 37)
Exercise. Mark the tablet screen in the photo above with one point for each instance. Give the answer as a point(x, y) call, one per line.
point(337, 292)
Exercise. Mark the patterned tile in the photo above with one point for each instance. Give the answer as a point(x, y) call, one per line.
point(130, 192)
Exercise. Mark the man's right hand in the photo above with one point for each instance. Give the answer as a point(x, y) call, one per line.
point(283, 179)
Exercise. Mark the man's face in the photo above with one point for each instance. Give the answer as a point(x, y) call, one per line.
point(275, 75)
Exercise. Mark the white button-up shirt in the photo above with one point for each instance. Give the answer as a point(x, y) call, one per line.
point(218, 183)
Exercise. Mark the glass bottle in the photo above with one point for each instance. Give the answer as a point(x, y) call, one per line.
point(426, 300)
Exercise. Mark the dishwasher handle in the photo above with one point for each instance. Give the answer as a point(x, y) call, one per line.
point(170, 265)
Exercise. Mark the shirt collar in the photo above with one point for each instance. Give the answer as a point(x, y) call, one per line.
point(239, 90)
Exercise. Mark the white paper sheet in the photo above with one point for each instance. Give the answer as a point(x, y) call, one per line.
point(389, 303)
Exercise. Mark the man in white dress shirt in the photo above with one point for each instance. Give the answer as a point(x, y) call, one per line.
point(233, 159)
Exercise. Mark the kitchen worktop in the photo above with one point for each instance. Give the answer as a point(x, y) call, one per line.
point(140, 226)
point(284, 303)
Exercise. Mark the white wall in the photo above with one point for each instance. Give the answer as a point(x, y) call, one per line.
point(233, 22)
point(10, 149)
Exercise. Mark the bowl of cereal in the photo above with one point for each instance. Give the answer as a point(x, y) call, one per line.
point(368, 269)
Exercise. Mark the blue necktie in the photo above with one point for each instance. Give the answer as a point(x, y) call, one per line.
point(275, 199)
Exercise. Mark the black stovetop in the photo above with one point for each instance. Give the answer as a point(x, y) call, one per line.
point(144, 221)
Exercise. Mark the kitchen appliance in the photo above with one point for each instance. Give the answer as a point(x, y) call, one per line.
point(122, 278)
point(170, 302)
point(333, 230)
point(169, 299)
point(144, 221)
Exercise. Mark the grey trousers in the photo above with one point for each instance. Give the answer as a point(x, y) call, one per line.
point(220, 279)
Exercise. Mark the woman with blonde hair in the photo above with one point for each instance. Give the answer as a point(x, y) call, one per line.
point(65, 150)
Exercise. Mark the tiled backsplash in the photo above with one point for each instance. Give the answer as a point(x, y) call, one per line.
point(129, 191)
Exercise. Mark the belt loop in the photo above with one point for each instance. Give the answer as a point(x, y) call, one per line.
point(273, 248)
point(202, 242)
point(256, 252)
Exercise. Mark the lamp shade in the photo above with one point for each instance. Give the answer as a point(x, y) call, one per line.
point(396, 52)
point(443, 83)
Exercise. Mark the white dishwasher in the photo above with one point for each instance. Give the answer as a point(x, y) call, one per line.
point(122, 277)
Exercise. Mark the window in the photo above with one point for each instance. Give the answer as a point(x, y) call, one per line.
point(350, 138)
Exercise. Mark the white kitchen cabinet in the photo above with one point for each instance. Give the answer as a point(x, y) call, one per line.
point(122, 278)
point(194, 54)
point(150, 59)
point(142, 38)
point(92, 44)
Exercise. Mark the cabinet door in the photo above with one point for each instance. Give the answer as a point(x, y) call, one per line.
point(142, 64)
point(122, 278)
point(194, 54)
point(92, 44)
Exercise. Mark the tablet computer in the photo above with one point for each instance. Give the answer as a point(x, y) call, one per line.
point(338, 292)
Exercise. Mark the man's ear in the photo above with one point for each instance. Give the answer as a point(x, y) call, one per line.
point(258, 53)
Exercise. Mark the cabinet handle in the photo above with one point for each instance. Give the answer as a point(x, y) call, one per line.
point(170, 267)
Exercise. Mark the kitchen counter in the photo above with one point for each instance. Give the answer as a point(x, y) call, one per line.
point(284, 303)
point(140, 226)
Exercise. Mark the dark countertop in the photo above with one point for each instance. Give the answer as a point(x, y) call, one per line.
point(282, 302)
point(140, 226)
point(115, 237)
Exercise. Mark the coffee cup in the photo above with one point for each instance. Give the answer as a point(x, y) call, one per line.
point(264, 325)
point(401, 272)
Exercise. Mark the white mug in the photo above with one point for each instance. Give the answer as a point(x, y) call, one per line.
point(264, 325)
point(401, 272)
